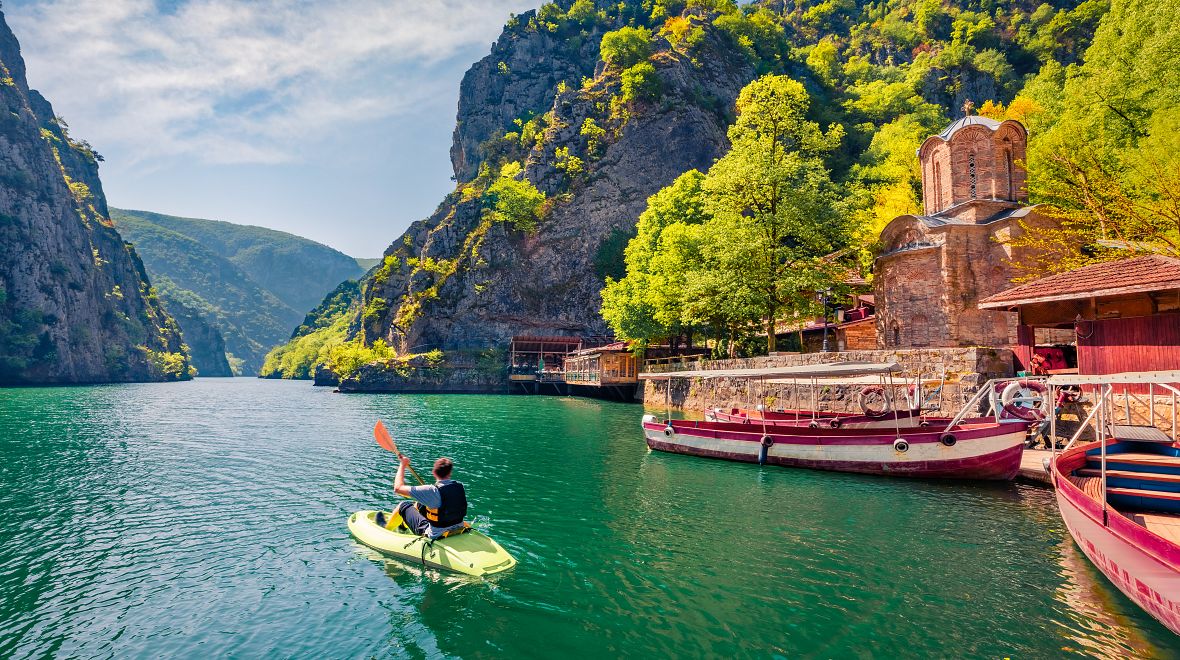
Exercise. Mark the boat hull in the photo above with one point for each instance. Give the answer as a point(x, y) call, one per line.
point(1144, 566)
point(472, 553)
point(987, 451)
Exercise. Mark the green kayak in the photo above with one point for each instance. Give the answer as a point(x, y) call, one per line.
point(472, 552)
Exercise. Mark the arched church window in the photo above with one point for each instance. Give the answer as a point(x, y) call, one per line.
point(937, 188)
point(1008, 170)
point(895, 333)
point(971, 173)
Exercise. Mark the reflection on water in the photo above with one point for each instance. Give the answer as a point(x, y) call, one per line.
point(1099, 628)
point(210, 518)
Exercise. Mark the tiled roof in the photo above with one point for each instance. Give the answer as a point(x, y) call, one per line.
point(944, 218)
point(969, 120)
point(1150, 273)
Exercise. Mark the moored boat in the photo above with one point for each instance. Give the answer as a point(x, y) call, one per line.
point(1119, 496)
point(964, 451)
point(887, 444)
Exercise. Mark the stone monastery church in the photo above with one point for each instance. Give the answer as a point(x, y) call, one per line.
point(935, 267)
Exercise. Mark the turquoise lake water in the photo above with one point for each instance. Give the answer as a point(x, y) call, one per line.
point(208, 519)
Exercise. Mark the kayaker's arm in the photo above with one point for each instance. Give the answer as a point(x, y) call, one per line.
point(399, 482)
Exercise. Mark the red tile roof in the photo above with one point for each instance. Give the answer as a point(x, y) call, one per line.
point(1150, 273)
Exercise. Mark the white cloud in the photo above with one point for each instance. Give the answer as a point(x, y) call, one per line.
point(242, 81)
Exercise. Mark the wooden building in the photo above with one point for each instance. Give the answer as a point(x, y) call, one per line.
point(611, 368)
point(536, 360)
point(1120, 315)
point(852, 327)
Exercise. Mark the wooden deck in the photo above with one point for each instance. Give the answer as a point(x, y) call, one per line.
point(1161, 524)
point(1032, 469)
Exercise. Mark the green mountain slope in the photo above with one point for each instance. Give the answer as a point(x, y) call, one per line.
point(298, 271)
point(247, 282)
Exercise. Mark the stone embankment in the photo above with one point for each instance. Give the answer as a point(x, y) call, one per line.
point(965, 370)
point(459, 374)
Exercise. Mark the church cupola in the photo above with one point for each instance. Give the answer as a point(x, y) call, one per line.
point(974, 158)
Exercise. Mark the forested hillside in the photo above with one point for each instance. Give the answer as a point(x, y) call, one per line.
point(585, 109)
point(247, 283)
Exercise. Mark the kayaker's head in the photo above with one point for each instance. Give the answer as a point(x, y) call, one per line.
point(442, 468)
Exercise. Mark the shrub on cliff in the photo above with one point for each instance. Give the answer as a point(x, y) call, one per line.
point(513, 199)
point(625, 47)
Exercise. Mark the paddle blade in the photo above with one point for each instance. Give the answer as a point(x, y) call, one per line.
point(381, 435)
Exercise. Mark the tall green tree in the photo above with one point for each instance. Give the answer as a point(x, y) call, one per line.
point(774, 202)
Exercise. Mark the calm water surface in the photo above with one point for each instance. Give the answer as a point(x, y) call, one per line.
point(209, 519)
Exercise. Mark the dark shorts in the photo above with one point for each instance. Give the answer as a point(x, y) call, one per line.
point(413, 518)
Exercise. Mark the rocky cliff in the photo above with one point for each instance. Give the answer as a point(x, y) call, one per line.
point(545, 99)
point(76, 305)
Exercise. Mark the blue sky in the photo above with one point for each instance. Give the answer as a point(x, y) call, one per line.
point(330, 119)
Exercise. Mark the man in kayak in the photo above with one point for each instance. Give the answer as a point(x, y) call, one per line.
point(435, 509)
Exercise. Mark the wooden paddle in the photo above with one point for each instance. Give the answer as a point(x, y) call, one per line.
point(383, 438)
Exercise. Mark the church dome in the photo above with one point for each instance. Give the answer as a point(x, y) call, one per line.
point(969, 120)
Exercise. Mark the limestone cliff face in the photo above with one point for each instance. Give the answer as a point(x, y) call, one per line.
point(75, 302)
point(488, 281)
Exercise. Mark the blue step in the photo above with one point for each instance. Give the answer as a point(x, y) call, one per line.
point(1168, 483)
point(1137, 462)
point(1143, 499)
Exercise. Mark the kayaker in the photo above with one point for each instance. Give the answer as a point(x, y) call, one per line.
point(436, 508)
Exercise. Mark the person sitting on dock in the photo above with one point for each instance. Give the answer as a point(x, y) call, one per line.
point(437, 509)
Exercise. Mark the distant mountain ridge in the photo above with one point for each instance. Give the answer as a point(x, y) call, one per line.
point(247, 282)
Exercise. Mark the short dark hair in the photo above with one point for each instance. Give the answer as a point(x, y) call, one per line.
point(443, 467)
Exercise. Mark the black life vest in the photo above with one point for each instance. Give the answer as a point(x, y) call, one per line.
point(453, 509)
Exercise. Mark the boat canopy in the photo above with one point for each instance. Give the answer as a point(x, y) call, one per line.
point(1127, 378)
point(805, 371)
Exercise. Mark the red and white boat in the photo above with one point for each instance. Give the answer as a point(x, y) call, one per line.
point(1120, 495)
point(960, 449)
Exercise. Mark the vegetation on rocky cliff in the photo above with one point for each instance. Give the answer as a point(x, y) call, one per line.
point(76, 305)
point(585, 109)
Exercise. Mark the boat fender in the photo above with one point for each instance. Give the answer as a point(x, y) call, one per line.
point(863, 399)
point(948, 439)
point(901, 445)
point(813, 425)
point(669, 431)
point(923, 423)
point(767, 441)
point(1025, 391)
point(835, 423)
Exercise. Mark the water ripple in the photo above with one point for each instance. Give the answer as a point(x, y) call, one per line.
point(208, 518)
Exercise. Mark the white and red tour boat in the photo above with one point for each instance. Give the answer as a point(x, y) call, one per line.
point(960, 448)
point(1120, 494)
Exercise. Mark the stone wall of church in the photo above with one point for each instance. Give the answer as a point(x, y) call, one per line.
point(911, 299)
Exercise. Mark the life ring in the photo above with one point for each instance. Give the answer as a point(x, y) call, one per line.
point(901, 445)
point(1025, 391)
point(863, 399)
point(767, 441)
point(835, 423)
point(948, 439)
point(813, 425)
point(669, 431)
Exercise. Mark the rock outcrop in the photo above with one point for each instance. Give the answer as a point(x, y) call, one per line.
point(206, 345)
point(76, 305)
point(462, 282)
